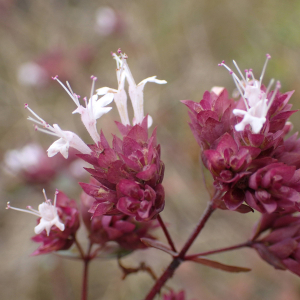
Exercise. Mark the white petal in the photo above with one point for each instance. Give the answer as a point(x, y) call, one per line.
point(79, 110)
point(239, 112)
point(150, 121)
point(60, 145)
point(105, 90)
point(41, 226)
point(217, 90)
point(59, 225)
point(99, 112)
point(151, 79)
point(105, 100)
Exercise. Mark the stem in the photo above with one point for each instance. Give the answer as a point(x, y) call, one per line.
point(84, 290)
point(207, 213)
point(79, 248)
point(181, 256)
point(86, 260)
point(238, 246)
point(166, 232)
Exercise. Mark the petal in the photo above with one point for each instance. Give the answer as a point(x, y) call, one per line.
point(105, 100)
point(41, 226)
point(99, 111)
point(151, 79)
point(61, 146)
point(105, 90)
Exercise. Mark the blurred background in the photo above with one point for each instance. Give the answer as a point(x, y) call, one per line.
point(179, 41)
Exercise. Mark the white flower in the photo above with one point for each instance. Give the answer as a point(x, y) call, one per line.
point(24, 159)
point(106, 21)
point(47, 212)
point(93, 110)
point(135, 91)
point(66, 138)
point(255, 116)
point(255, 99)
point(32, 74)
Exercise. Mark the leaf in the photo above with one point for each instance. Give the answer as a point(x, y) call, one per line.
point(158, 245)
point(219, 266)
point(268, 256)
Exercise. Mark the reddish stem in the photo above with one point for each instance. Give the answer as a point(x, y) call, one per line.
point(166, 232)
point(84, 291)
point(246, 244)
point(181, 256)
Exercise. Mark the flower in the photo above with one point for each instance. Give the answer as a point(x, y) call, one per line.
point(128, 175)
point(30, 163)
point(255, 98)
point(47, 213)
point(121, 228)
point(94, 109)
point(32, 74)
point(135, 91)
point(211, 117)
point(57, 239)
point(280, 247)
point(274, 186)
point(66, 138)
point(249, 164)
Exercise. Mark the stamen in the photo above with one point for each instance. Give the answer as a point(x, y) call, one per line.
point(8, 206)
point(278, 86)
point(69, 93)
point(264, 68)
point(34, 210)
point(55, 197)
point(75, 97)
point(237, 67)
point(45, 196)
point(38, 117)
point(238, 87)
point(45, 131)
point(269, 86)
point(37, 122)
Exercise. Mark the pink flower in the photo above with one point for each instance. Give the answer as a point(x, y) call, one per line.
point(243, 145)
point(129, 175)
point(60, 240)
point(280, 247)
point(211, 117)
point(121, 228)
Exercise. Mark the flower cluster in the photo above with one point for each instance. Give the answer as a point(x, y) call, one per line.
point(129, 174)
point(57, 223)
point(122, 229)
point(243, 144)
point(280, 247)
